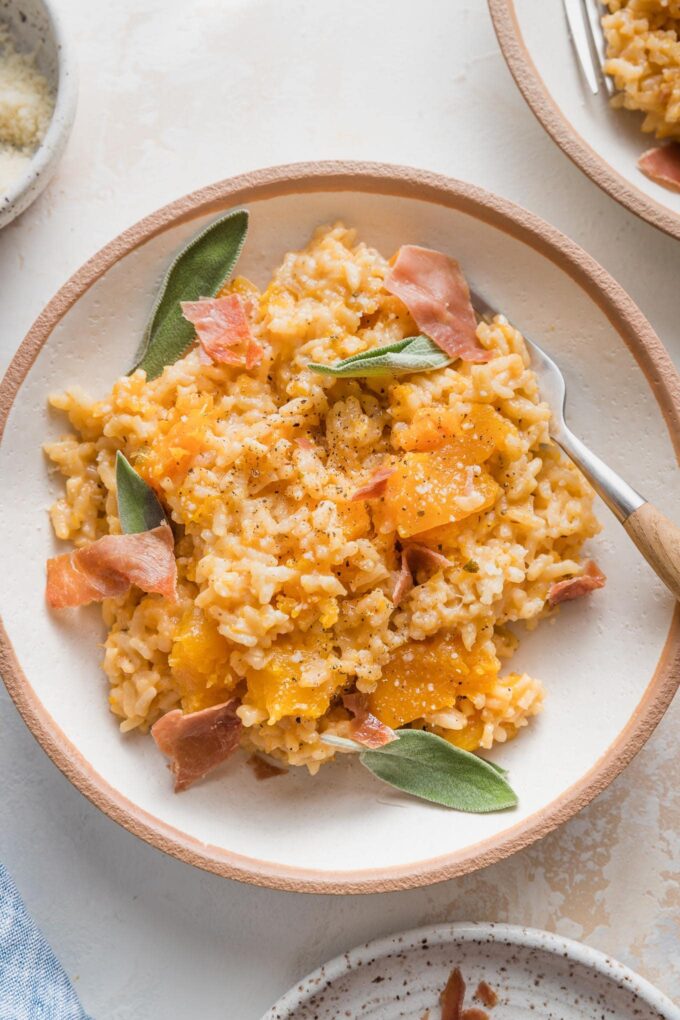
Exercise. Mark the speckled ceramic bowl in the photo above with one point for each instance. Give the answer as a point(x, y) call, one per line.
point(36, 28)
point(533, 973)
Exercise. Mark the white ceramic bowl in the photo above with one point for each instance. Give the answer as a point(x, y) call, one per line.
point(534, 973)
point(605, 143)
point(610, 664)
point(35, 27)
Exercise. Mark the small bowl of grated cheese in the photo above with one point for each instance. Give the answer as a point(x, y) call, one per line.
point(37, 101)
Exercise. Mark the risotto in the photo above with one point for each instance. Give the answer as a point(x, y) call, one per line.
point(302, 503)
point(643, 51)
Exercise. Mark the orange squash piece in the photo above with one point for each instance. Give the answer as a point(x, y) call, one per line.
point(425, 676)
point(469, 738)
point(199, 661)
point(474, 436)
point(484, 425)
point(432, 480)
point(428, 490)
point(172, 454)
point(277, 690)
point(353, 517)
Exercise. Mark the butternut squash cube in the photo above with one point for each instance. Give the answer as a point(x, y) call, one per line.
point(172, 454)
point(473, 436)
point(426, 676)
point(277, 689)
point(428, 490)
point(199, 661)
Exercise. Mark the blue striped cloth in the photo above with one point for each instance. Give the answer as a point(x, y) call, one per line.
point(33, 984)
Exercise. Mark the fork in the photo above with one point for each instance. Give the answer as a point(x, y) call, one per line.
point(657, 537)
point(585, 28)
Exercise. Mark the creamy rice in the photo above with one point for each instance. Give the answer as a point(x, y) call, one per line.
point(284, 581)
point(643, 51)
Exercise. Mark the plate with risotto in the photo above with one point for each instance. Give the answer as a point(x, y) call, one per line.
point(629, 142)
point(298, 587)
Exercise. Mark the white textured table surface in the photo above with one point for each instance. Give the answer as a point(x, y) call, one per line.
point(174, 96)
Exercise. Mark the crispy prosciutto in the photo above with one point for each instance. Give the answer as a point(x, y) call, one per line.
point(223, 330)
point(375, 486)
point(662, 165)
point(404, 581)
point(264, 768)
point(574, 587)
point(436, 293)
point(199, 742)
point(254, 354)
point(366, 728)
point(415, 557)
point(111, 565)
point(453, 996)
point(486, 994)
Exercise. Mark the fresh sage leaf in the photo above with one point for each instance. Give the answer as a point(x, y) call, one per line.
point(198, 271)
point(427, 766)
point(138, 506)
point(414, 354)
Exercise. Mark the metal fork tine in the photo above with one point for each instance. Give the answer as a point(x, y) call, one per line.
point(481, 305)
point(594, 12)
point(487, 311)
point(620, 497)
point(580, 32)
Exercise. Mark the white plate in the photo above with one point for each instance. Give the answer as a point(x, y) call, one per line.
point(534, 973)
point(603, 142)
point(609, 664)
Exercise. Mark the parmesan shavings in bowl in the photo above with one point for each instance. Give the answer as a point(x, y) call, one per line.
point(26, 107)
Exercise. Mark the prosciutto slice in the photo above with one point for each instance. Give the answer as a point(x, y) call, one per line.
point(222, 325)
point(254, 354)
point(111, 565)
point(486, 994)
point(574, 587)
point(198, 742)
point(415, 557)
point(366, 728)
point(376, 485)
point(662, 165)
point(436, 293)
point(453, 996)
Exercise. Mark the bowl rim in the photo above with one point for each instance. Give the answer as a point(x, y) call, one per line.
point(563, 132)
point(635, 332)
point(457, 932)
point(49, 151)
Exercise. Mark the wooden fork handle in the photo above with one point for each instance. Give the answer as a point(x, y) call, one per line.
point(658, 539)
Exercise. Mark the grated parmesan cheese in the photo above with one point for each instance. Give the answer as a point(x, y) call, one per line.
point(26, 105)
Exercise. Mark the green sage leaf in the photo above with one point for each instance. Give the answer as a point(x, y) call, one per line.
point(414, 354)
point(138, 506)
point(426, 766)
point(198, 271)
